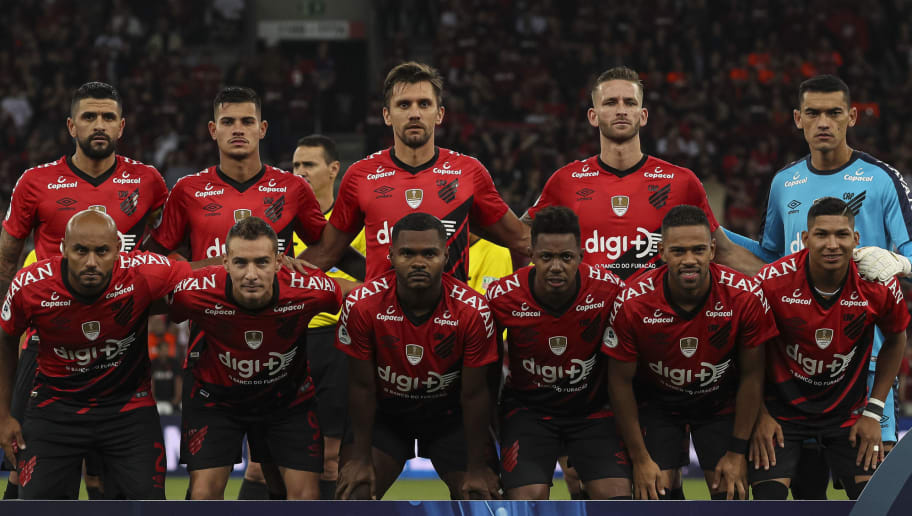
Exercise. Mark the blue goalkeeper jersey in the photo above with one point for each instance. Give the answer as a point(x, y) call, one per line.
point(876, 192)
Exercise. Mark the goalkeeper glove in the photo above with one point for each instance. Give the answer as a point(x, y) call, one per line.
point(876, 264)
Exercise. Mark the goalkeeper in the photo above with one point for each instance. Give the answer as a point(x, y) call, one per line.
point(876, 193)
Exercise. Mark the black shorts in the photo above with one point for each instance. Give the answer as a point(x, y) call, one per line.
point(211, 435)
point(22, 388)
point(329, 369)
point(834, 442)
point(667, 437)
point(440, 439)
point(130, 445)
point(531, 443)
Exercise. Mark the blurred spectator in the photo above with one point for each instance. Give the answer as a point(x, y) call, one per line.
point(159, 336)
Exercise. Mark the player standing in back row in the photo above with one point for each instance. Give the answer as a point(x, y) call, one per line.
point(417, 176)
point(639, 188)
point(46, 196)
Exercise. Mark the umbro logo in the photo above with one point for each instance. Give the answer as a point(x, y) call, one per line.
point(585, 194)
point(793, 206)
point(66, 203)
point(213, 209)
point(383, 191)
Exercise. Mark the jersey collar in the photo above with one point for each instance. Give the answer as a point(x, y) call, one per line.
point(240, 187)
point(561, 310)
point(622, 173)
point(824, 303)
point(684, 314)
point(419, 168)
point(229, 295)
point(94, 181)
point(86, 300)
point(854, 157)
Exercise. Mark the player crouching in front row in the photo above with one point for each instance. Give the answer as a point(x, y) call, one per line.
point(817, 388)
point(692, 334)
point(420, 345)
point(555, 401)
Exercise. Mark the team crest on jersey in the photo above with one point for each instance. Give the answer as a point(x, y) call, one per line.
point(413, 197)
point(557, 344)
point(98, 207)
point(91, 329)
point(823, 336)
point(610, 338)
point(241, 214)
point(620, 203)
point(344, 337)
point(254, 338)
point(414, 353)
point(689, 346)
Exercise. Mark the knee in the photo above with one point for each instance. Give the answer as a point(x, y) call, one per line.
point(530, 492)
point(203, 491)
point(254, 472)
point(770, 490)
point(608, 489)
point(303, 492)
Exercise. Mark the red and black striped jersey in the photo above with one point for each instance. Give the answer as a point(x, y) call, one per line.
point(687, 361)
point(554, 361)
point(818, 368)
point(93, 353)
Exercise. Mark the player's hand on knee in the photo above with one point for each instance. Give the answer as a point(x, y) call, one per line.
point(357, 481)
point(11, 438)
point(866, 436)
point(647, 480)
point(731, 474)
point(481, 484)
point(767, 435)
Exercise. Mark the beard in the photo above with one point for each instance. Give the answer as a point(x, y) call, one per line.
point(415, 140)
point(616, 136)
point(94, 152)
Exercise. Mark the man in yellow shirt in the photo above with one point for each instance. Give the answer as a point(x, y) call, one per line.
point(487, 262)
point(317, 161)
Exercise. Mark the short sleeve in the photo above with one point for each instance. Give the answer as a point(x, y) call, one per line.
point(310, 220)
point(480, 345)
point(159, 190)
point(13, 317)
point(894, 316)
point(758, 325)
point(619, 342)
point(354, 334)
point(171, 227)
point(347, 215)
point(160, 273)
point(20, 219)
point(548, 197)
point(487, 205)
point(772, 231)
point(699, 199)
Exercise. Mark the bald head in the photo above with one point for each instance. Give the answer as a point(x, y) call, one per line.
point(90, 247)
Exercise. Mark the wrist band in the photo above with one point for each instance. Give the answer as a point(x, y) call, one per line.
point(872, 415)
point(740, 446)
point(876, 401)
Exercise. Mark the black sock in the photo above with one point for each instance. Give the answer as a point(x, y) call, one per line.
point(187, 496)
point(252, 490)
point(327, 490)
point(676, 493)
point(95, 493)
point(12, 491)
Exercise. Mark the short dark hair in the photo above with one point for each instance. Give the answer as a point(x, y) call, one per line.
point(830, 206)
point(824, 84)
point(419, 222)
point(412, 72)
point(556, 220)
point(96, 90)
point(330, 153)
point(685, 215)
point(252, 228)
point(235, 95)
point(619, 73)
